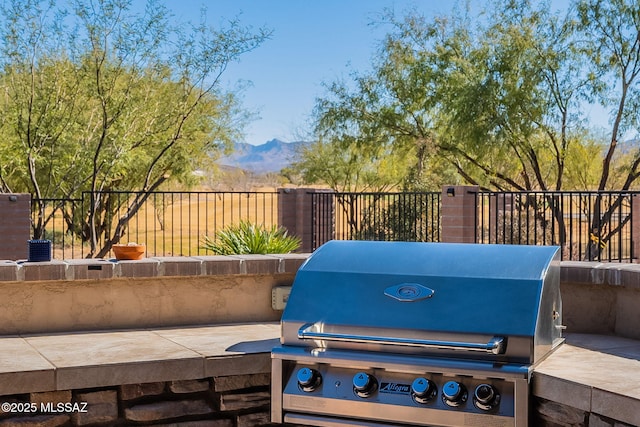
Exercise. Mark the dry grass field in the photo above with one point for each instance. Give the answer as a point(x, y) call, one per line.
point(175, 223)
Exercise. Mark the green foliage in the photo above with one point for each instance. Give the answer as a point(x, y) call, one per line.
point(497, 101)
point(248, 238)
point(99, 97)
point(345, 165)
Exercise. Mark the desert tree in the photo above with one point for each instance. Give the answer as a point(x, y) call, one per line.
point(101, 97)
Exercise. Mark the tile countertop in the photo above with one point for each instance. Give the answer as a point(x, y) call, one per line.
point(595, 373)
point(33, 363)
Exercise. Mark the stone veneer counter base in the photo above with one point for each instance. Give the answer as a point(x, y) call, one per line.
point(589, 377)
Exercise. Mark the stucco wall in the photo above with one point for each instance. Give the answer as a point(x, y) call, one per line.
point(82, 295)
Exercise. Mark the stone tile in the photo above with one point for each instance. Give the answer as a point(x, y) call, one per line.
point(593, 369)
point(223, 340)
point(188, 386)
point(252, 420)
point(136, 391)
point(147, 267)
point(178, 266)
point(215, 265)
point(554, 414)
point(37, 421)
point(23, 369)
point(89, 269)
point(596, 342)
point(239, 382)
point(608, 366)
point(54, 397)
point(561, 391)
point(618, 407)
point(97, 359)
point(237, 365)
point(596, 421)
point(102, 407)
point(229, 349)
point(167, 410)
point(237, 401)
point(609, 344)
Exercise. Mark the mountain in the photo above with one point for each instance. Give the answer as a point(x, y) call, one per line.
point(271, 156)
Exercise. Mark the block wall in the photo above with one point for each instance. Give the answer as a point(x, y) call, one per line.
point(459, 214)
point(15, 226)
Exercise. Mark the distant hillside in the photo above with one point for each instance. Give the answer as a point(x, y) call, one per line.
point(271, 156)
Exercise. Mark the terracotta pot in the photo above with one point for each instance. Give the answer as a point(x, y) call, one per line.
point(129, 251)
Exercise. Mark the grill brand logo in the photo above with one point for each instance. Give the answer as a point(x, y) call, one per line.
point(394, 388)
point(409, 292)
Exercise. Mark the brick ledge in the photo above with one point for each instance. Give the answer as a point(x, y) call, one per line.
point(103, 269)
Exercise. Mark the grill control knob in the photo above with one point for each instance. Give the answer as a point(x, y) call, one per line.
point(364, 385)
point(308, 379)
point(486, 397)
point(423, 390)
point(454, 393)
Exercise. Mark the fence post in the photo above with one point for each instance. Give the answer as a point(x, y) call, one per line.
point(314, 225)
point(459, 213)
point(15, 225)
point(635, 227)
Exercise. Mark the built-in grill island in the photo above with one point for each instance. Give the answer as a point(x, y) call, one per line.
point(416, 334)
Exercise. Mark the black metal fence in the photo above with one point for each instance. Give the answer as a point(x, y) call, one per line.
point(168, 223)
point(376, 216)
point(586, 225)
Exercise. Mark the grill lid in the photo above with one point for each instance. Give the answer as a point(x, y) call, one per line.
point(499, 300)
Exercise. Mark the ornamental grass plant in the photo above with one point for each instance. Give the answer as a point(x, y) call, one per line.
point(248, 238)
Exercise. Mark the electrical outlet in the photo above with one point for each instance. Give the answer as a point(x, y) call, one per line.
point(279, 297)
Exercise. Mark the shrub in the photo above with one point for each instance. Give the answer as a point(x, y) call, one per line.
point(247, 238)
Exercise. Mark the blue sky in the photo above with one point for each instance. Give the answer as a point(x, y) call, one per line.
point(313, 41)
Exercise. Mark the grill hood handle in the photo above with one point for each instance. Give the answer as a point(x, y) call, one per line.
point(496, 345)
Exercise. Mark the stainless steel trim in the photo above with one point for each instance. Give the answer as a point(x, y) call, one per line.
point(377, 413)
point(401, 363)
point(277, 386)
point(330, 422)
point(496, 345)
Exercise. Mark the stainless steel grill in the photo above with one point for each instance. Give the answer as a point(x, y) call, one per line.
point(424, 334)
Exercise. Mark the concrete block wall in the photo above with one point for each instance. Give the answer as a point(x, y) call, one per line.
point(15, 226)
point(459, 220)
point(296, 214)
point(90, 294)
